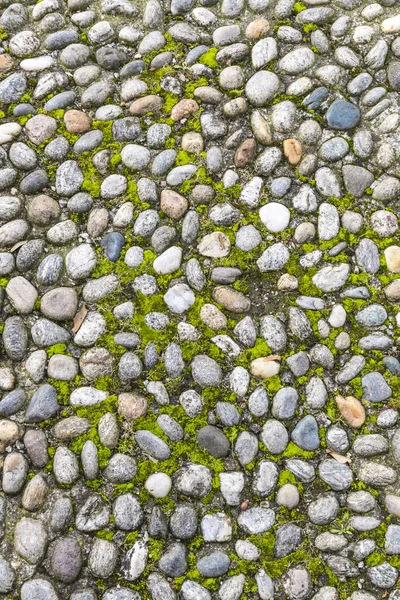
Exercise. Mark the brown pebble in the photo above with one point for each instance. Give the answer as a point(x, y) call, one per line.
point(257, 29)
point(173, 204)
point(287, 282)
point(70, 428)
point(352, 410)
point(10, 432)
point(6, 63)
point(245, 153)
point(392, 291)
point(231, 299)
point(15, 471)
point(35, 493)
point(40, 128)
point(43, 210)
point(132, 406)
point(76, 121)
point(263, 367)
point(292, 149)
point(392, 257)
point(36, 445)
point(97, 222)
point(185, 107)
point(192, 142)
point(7, 379)
point(260, 128)
point(142, 106)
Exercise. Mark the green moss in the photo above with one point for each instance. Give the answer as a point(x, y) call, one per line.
point(309, 27)
point(184, 158)
point(171, 45)
point(209, 58)
point(130, 539)
point(94, 414)
point(286, 476)
point(92, 179)
point(105, 534)
point(283, 97)
point(115, 160)
point(65, 388)
point(156, 548)
point(57, 114)
point(376, 558)
point(170, 143)
point(169, 103)
point(23, 120)
point(294, 451)
point(306, 285)
point(259, 350)
point(105, 383)
point(304, 555)
point(234, 93)
point(331, 410)
point(56, 349)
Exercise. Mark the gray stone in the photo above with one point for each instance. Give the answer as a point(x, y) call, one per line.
point(43, 404)
point(214, 441)
point(375, 388)
point(152, 445)
point(174, 562)
point(66, 559)
point(305, 434)
point(214, 564)
point(30, 540)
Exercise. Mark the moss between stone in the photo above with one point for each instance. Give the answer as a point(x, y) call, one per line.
point(209, 58)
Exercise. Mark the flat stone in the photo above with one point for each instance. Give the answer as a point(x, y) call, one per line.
point(152, 445)
point(30, 540)
point(375, 388)
point(256, 520)
point(305, 434)
point(297, 61)
point(331, 278)
point(213, 441)
point(342, 115)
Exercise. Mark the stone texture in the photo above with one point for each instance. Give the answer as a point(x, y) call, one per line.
point(199, 260)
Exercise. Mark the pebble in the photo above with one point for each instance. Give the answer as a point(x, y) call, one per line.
point(213, 441)
point(352, 410)
point(275, 216)
point(30, 540)
point(152, 445)
point(158, 485)
point(214, 564)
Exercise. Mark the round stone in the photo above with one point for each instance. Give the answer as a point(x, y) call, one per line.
point(135, 157)
point(158, 485)
point(342, 115)
point(275, 216)
point(262, 87)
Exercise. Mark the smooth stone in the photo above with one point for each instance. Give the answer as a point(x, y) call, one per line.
point(275, 216)
point(112, 244)
point(342, 115)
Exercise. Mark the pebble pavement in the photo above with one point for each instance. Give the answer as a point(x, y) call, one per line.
point(199, 295)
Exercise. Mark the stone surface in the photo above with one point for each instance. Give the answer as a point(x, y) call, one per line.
point(199, 261)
